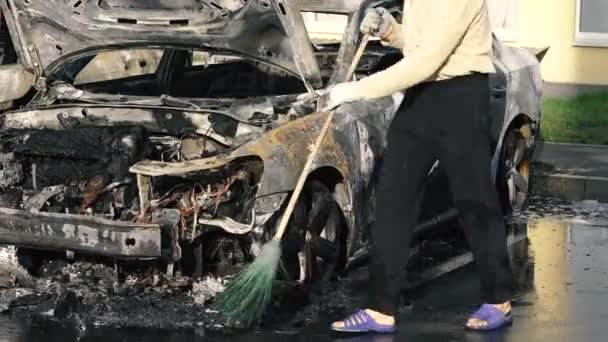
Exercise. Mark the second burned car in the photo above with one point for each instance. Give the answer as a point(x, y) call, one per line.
point(191, 163)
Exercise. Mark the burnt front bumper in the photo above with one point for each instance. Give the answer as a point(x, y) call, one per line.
point(79, 233)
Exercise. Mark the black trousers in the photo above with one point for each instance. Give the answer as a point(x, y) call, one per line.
point(445, 120)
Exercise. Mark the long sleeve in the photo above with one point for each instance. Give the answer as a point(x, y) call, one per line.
point(395, 37)
point(442, 32)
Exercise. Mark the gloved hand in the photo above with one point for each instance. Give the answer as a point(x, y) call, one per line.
point(377, 22)
point(331, 97)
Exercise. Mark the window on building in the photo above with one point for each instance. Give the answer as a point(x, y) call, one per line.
point(591, 23)
point(504, 17)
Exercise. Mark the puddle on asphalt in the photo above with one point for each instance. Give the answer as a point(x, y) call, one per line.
point(585, 212)
point(560, 260)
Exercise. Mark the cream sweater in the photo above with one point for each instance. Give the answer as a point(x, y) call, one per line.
point(440, 39)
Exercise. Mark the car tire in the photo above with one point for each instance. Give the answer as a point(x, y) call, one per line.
point(513, 181)
point(314, 246)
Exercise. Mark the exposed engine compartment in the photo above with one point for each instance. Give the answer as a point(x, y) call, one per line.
point(85, 171)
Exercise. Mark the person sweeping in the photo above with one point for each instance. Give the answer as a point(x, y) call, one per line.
point(447, 47)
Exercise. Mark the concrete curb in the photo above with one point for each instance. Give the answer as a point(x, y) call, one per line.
point(569, 187)
point(572, 172)
point(574, 144)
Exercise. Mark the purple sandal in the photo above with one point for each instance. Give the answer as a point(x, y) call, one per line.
point(362, 322)
point(495, 318)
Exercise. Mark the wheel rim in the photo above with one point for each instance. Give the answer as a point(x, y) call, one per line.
point(516, 168)
point(320, 251)
point(315, 244)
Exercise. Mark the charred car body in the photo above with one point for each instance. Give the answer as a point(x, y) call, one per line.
point(192, 164)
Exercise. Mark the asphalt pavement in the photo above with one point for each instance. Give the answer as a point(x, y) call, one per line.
point(560, 256)
point(571, 171)
point(574, 159)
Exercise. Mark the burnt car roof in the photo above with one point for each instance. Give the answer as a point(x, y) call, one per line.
point(50, 32)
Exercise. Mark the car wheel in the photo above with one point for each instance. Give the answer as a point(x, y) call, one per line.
point(314, 248)
point(514, 171)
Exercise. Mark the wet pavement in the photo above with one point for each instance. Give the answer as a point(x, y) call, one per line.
point(560, 258)
point(574, 159)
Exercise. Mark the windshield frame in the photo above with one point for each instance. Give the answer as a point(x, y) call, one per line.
point(56, 69)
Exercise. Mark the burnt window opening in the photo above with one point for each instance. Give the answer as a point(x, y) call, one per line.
point(221, 75)
point(126, 21)
point(179, 22)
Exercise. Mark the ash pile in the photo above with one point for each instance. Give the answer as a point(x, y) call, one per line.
point(89, 294)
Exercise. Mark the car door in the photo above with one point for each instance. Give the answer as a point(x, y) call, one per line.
point(498, 93)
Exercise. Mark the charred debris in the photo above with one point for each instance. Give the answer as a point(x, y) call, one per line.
point(71, 188)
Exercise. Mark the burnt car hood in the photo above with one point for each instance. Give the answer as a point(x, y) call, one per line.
point(50, 32)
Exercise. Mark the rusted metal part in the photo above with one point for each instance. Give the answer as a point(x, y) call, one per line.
point(79, 233)
point(92, 190)
point(281, 150)
point(154, 168)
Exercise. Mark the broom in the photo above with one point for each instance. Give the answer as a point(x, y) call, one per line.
point(248, 294)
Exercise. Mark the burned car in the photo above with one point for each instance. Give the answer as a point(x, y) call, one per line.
point(189, 164)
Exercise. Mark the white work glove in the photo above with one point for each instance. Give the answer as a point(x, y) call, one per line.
point(378, 22)
point(331, 97)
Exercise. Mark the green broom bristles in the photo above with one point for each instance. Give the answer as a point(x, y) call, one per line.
point(246, 296)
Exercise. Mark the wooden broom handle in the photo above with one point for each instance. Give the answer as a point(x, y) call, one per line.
point(302, 179)
point(315, 149)
point(357, 57)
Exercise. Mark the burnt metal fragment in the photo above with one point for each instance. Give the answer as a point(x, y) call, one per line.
point(79, 233)
point(168, 219)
